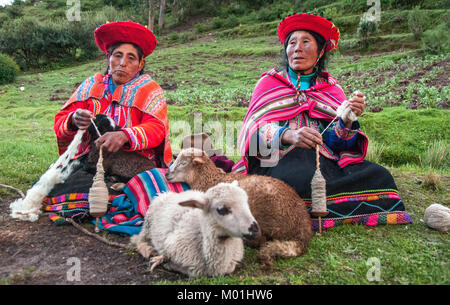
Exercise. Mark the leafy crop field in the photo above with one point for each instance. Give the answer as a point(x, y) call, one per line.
point(214, 77)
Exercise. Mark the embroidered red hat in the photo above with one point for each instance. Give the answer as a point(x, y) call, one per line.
point(315, 23)
point(111, 33)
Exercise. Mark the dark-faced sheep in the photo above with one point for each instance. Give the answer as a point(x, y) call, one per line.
point(285, 223)
point(198, 233)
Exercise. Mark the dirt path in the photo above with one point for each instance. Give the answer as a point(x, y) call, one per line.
point(43, 253)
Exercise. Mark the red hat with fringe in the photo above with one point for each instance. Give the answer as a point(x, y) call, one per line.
point(111, 33)
point(315, 23)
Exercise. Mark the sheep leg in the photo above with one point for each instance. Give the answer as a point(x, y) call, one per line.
point(277, 248)
point(142, 246)
point(146, 250)
point(156, 261)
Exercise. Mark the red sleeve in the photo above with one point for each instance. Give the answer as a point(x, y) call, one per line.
point(148, 134)
point(64, 134)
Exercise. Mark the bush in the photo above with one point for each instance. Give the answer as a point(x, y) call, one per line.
point(201, 27)
point(437, 40)
point(417, 20)
point(367, 29)
point(8, 69)
point(217, 22)
point(173, 36)
point(230, 22)
point(33, 43)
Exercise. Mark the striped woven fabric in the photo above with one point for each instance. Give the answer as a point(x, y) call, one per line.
point(126, 212)
point(274, 100)
point(142, 93)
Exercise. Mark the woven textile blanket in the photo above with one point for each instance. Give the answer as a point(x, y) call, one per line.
point(126, 211)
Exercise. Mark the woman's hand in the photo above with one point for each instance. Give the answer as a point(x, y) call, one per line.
point(304, 137)
point(358, 103)
point(112, 141)
point(81, 119)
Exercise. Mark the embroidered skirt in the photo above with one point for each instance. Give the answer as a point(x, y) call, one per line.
point(363, 193)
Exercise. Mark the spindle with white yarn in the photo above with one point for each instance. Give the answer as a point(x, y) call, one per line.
point(318, 183)
point(98, 193)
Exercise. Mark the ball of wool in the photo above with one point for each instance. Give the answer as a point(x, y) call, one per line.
point(437, 217)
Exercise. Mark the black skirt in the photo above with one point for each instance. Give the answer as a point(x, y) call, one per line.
point(362, 193)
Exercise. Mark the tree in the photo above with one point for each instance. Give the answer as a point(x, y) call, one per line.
point(151, 17)
point(162, 7)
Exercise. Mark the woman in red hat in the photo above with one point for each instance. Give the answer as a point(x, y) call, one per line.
point(125, 93)
point(289, 115)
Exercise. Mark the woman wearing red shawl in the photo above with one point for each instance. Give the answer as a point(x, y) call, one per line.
point(289, 114)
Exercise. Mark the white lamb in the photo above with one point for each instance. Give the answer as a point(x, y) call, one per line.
point(198, 233)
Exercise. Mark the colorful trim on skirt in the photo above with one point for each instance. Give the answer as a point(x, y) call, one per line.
point(369, 208)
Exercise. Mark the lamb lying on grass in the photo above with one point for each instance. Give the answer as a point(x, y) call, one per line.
point(281, 214)
point(198, 233)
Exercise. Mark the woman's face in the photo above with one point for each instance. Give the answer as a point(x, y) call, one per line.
point(301, 51)
point(124, 63)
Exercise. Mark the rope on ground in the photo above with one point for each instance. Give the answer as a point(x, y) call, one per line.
point(98, 237)
point(14, 189)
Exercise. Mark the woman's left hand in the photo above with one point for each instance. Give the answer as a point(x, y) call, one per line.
point(358, 103)
point(112, 141)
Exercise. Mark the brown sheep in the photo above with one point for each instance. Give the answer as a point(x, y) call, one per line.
point(285, 223)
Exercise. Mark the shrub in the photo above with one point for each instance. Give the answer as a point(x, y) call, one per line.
point(201, 27)
point(185, 37)
point(437, 40)
point(375, 151)
point(217, 22)
point(8, 69)
point(367, 28)
point(231, 21)
point(437, 155)
point(173, 36)
point(417, 20)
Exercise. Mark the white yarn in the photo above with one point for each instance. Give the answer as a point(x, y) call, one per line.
point(437, 217)
point(29, 208)
point(345, 112)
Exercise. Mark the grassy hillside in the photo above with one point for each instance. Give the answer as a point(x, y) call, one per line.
point(211, 74)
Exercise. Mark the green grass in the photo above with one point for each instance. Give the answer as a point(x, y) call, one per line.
point(213, 77)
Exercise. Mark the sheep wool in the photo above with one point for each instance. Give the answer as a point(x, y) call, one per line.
point(345, 112)
point(437, 217)
point(29, 208)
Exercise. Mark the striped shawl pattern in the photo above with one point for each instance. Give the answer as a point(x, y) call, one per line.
point(142, 93)
point(274, 100)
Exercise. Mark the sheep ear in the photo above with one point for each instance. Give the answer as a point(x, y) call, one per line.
point(198, 160)
point(235, 183)
point(191, 204)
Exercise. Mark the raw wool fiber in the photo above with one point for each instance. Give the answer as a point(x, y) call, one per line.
point(437, 217)
point(29, 208)
point(345, 112)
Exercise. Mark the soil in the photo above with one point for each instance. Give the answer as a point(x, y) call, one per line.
point(42, 253)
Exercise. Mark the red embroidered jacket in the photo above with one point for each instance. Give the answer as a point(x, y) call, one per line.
point(139, 107)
